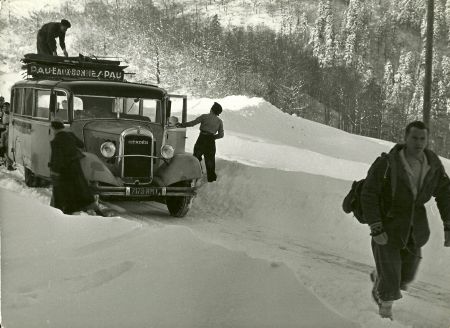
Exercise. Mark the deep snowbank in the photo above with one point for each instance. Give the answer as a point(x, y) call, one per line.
point(306, 208)
point(291, 138)
point(80, 271)
point(307, 205)
point(258, 118)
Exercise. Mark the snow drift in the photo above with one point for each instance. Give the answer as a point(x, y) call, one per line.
point(278, 198)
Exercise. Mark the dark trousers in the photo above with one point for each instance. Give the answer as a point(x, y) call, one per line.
point(2, 144)
point(206, 146)
point(42, 46)
point(395, 268)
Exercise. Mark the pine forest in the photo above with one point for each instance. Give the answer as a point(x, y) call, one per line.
point(357, 65)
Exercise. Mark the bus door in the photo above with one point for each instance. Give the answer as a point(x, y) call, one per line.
point(15, 111)
point(176, 113)
point(40, 144)
point(45, 111)
point(21, 126)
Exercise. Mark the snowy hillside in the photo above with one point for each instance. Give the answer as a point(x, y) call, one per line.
point(23, 8)
point(231, 12)
point(267, 243)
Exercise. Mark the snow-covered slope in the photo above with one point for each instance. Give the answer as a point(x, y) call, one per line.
point(261, 135)
point(278, 197)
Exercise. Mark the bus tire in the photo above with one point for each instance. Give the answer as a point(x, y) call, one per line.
point(178, 206)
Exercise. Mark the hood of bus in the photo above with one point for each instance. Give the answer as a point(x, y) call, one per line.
point(111, 126)
point(95, 132)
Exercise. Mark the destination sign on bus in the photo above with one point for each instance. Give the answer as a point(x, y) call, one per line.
point(70, 72)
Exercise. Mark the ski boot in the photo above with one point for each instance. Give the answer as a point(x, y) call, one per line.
point(384, 307)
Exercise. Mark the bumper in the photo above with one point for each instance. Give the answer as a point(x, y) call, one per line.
point(144, 192)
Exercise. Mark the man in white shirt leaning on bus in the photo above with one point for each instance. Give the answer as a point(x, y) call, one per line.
point(211, 128)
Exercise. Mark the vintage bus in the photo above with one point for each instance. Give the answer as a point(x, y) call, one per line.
point(132, 146)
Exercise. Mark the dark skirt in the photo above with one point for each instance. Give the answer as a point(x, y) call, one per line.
point(71, 192)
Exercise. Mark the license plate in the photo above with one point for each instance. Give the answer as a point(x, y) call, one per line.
point(143, 191)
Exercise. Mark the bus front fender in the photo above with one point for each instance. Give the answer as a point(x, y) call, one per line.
point(182, 167)
point(94, 170)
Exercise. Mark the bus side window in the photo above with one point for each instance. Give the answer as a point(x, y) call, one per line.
point(28, 103)
point(62, 106)
point(42, 105)
point(18, 101)
point(150, 109)
point(176, 109)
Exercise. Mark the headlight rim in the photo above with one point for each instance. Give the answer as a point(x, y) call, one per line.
point(171, 149)
point(112, 146)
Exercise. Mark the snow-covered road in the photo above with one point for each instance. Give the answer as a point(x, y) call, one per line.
point(328, 251)
point(278, 199)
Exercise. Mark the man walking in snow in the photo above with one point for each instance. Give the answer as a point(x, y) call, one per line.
point(46, 43)
point(211, 129)
point(394, 209)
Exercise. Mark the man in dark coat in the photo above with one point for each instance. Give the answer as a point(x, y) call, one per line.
point(2, 112)
point(71, 191)
point(211, 129)
point(4, 128)
point(46, 43)
point(394, 209)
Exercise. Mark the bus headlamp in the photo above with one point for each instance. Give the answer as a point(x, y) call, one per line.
point(108, 149)
point(167, 151)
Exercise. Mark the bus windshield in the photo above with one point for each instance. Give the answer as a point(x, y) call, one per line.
point(85, 107)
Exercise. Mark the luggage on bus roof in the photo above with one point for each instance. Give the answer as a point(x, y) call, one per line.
point(80, 60)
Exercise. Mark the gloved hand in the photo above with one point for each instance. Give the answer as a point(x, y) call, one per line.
point(378, 234)
point(447, 234)
point(179, 125)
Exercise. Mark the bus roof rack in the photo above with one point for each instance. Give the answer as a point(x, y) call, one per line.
point(73, 68)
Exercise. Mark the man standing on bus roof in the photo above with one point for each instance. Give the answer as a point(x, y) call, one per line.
point(211, 128)
point(46, 43)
